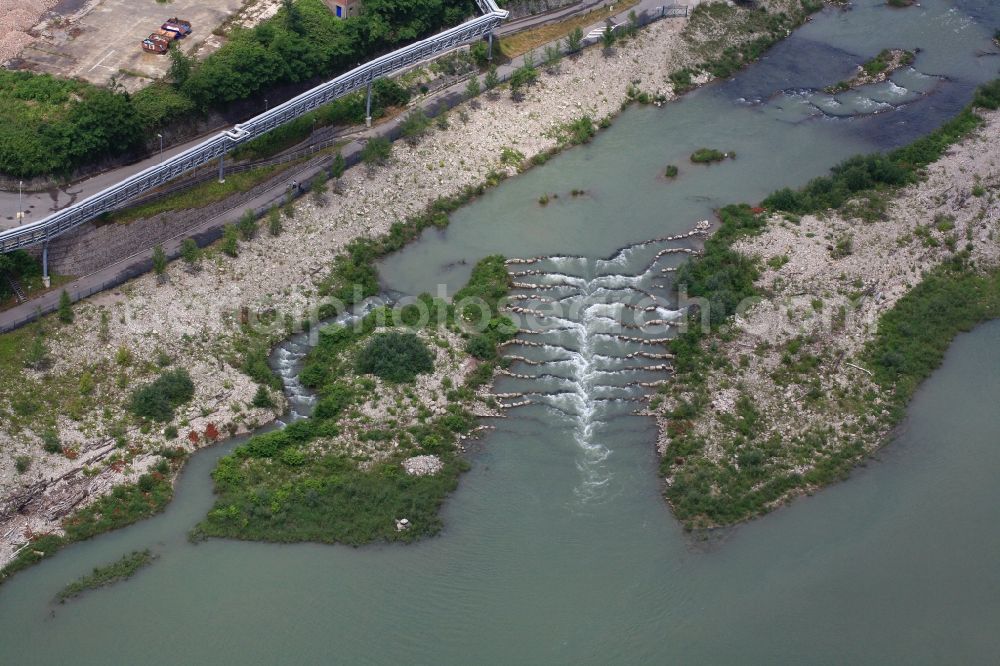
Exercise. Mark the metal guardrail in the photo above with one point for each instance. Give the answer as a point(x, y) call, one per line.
point(62, 221)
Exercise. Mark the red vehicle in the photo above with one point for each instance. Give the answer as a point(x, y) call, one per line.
point(179, 26)
point(156, 43)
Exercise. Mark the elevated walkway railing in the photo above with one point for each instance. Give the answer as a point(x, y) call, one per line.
point(41, 232)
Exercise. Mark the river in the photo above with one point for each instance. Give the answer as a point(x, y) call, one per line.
point(558, 547)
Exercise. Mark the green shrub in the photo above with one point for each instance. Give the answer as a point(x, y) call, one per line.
point(708, 155)
point(377, 151)
point(230, 243)
point(247, 225)
point(721, 275)
point(190, 252)
point(395, 357)
point(333, 401)
point(50, 441)
point(123, 569)
point(65, 308)
point(159, 260)
point(414, 125)
point(293, 457)
point(262, 398)
point(671, 171)
point(158, 399)
point(51, 126)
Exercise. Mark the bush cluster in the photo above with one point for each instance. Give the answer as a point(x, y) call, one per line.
point(158, 399)
point(395, 357)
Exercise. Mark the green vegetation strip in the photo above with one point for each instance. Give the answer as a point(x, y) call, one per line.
point(910, 342)
point(199, 196)
point(110, 574)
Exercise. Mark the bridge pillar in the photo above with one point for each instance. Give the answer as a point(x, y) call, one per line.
point(489, 51)
point(45, 265)
point(368, 106)
point(222, 168)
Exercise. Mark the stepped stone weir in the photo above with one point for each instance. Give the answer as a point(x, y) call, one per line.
point(591, 338)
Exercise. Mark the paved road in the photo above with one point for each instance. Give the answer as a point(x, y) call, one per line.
point(210, 229)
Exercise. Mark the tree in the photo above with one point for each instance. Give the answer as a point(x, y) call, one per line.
point(376, 152)
point(472, 90)
point(37, 356)
point(293, 16)
point(158, 399)
point(574, 42)
point(414, 126)
point(180, 66)
point(262, 398)
point(65, 308)
point(607, 38)
point(318, 186)
point(274, 221)
point(492, 79)
point(159, 260)
point(247, 225)
point(553, 56)
point(190, 252)
point(230, 240)
point(338, 166)
point(522, 77)
point(480, 53)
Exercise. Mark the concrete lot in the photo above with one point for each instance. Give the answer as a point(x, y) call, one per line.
point(97, 40)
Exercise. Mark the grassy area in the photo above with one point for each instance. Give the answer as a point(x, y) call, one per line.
point(202, 195)
point(299, 484)
point(755, 471)
point(109, 574)
point(913, 337)
point(529, 40)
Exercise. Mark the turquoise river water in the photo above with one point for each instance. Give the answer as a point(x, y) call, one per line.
point(558, 547)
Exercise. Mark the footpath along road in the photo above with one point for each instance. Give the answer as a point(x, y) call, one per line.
point(211, 228)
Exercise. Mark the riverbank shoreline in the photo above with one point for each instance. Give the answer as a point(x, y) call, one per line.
point(196, 317)
point(811, 377)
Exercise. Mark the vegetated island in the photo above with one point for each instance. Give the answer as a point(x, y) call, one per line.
point(876, 70)
point(109, 574)
point(381, 449)
point(67, 385)
point(865, 276)
point(710, 156)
